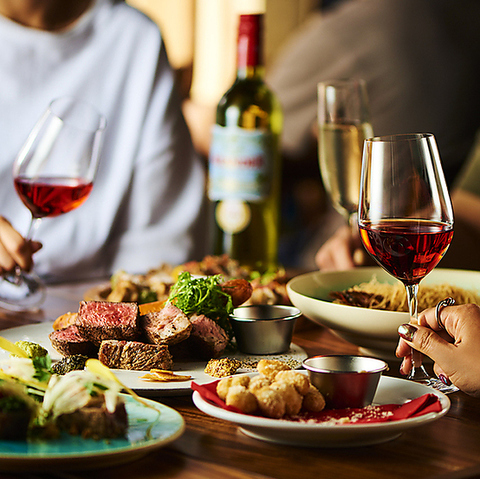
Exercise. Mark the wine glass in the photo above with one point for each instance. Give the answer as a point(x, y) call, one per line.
point(343, 124)
point(405, 216)
point(53, 174)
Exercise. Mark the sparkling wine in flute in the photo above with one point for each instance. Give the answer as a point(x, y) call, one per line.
point(343, 124)
point(405, 216)
point(340, 159)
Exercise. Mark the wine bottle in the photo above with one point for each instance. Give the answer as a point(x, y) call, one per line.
point(244, 159)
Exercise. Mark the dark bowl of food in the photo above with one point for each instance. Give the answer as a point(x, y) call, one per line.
point(345, 381)
point(264, 329)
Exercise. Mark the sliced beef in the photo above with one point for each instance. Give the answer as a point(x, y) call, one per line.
point(100, 320)
point(134, 355)
point(207, 340)
point(70, 341)
point(167, 326)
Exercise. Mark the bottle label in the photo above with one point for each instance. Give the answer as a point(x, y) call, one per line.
point(240, 164)
point(232, 216)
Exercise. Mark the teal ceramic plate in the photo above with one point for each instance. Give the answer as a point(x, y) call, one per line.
point(148, 429)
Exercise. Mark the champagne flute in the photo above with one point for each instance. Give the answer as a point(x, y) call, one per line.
point(53, 174)
point(405, 216)
point(343, 125)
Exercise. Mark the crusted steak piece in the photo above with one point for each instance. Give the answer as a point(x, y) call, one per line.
point(134, 355)
point(69, 341)
point(207, 340)
point(99, 320)
point(95, 422)
point(167, 326)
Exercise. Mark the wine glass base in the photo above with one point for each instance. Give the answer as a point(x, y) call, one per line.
point(420, 375)
point(438, 385)
point(23, 292)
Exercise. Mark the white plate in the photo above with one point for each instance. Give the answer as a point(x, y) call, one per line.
point(147, 430)
point(390, 391)
point(38, 333)
point(373, 330)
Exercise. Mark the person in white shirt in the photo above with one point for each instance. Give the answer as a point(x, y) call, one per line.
point(147, 204)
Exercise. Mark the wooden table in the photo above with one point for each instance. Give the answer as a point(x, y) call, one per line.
point(211, 448)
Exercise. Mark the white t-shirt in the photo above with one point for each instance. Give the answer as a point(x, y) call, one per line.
point(147, 202)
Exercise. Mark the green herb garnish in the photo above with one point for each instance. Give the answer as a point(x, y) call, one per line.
point(202, 296)
point(42, 365)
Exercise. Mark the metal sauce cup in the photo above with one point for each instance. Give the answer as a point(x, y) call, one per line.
point(264, 329)
point(345, 381)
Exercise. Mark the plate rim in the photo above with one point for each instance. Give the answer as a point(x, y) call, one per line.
point(117, 454)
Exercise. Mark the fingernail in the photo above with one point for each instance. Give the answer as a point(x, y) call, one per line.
point(444, 379)
point(407, 331)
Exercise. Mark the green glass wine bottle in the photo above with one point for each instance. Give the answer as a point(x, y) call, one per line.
point(245, 161)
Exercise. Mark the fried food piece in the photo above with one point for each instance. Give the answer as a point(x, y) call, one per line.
point(64, 321)
point(296, 378)
point(270, 402)
point(240, 290)
point(293, 400)
point(220, 368)
point(124, 290)
point(223, 386)
point(226, 383)
point(163, 375)
point(313, 401)
point(240, 397)
point(270, 367)
point(258, 382)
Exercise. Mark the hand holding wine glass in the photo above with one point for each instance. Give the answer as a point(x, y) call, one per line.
point(53, 174)
point(405, 215)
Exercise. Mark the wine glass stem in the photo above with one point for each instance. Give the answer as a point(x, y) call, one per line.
point(34, 222)
point(418, 371)
point(32, 228)
point(358, 254)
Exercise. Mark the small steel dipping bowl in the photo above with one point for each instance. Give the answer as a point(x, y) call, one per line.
point(264, 329)
point(345, 381)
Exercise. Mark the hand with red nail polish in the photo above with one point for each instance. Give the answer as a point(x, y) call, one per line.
point(455, 349)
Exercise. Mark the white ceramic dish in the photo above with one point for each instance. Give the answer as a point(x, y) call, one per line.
point(148, 430)
point(39, 332)
point(375, 331)
point(390, 391)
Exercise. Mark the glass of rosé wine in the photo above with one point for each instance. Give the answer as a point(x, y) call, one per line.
point(405, 216)
point(53, 174)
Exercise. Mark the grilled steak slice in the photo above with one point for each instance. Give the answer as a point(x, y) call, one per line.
point(207, 340)
point(69, 341)
point(134, 355)
point(95, 422)
point(99, 320)
point(167, 326)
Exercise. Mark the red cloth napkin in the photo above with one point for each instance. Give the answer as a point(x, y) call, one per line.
point(379, 413)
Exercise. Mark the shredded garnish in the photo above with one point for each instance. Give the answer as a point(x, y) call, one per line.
point(202, 296)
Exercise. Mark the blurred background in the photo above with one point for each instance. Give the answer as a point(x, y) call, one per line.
point(418, 57)
point(200, 38)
